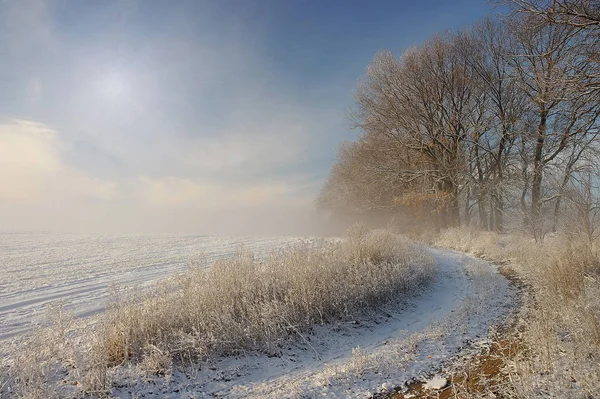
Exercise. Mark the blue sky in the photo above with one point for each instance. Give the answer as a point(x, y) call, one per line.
point(186, 116)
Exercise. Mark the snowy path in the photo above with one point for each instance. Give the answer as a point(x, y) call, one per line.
point(356, 359)
point(38, 269)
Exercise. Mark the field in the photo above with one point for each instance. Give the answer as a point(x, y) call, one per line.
point(38, 269)
point(373, 346)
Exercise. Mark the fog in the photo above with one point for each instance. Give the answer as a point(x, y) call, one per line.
point(166, 133)
point(187, 117)
point(41, 192)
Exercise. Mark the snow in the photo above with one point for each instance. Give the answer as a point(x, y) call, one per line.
point(377, 352)
point(387, 387)
point(402, 343)
point(38, 269)
point(399, 346)
point(437, 382)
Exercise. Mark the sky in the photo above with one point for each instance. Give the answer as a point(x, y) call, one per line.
point(187, 116)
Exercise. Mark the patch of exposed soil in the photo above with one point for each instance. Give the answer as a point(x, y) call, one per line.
point(480, 375)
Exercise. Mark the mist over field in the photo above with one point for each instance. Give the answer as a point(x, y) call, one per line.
point(189, 117)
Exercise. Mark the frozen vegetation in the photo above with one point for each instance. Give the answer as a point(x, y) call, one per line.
point(281, 318)
point(38, 269)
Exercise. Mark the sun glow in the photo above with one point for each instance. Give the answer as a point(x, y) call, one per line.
point(113, 86)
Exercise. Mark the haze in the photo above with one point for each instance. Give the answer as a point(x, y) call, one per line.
point(188, 116)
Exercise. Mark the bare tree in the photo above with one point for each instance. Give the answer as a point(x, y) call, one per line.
point(582, 195)
point(367, 181)
point(544, 59)
point(584, 17)
point(577, 13)
point(486, 50)
point(488, 117)
point(570, 165)
point(425, 102)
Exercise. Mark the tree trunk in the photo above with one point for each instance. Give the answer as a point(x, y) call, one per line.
point(525, 177)
point(455, 206)
point(497, 191)
point(499, 210)
point(467, 204)
point(491, 222)
point(558, 201)
point(536, 217)
point(451, 207)
point(483, 219)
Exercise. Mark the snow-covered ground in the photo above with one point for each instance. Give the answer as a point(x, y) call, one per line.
point(355, 358)
point(402, 343)
point(37, 269)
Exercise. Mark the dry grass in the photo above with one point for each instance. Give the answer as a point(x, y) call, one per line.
point(237, 305)
point(561, 329)
point(240, 304)
point(43, 357)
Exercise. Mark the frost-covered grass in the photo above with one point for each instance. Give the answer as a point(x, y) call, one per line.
point(238, 305)
point(561, 328)
point(41, 268)
point(241, 304)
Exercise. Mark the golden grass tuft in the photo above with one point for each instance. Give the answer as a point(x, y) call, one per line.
point(235, 305)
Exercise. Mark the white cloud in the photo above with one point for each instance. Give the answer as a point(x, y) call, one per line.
point(242, 151)
point(40, 191)
point(31, 169)
point(27, 160)
point(33, 90)
point(211, 196)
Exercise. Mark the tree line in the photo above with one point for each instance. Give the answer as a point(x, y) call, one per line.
point(494, 126)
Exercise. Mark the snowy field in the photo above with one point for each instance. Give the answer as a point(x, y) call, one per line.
point(403, 342)
point(78, 270)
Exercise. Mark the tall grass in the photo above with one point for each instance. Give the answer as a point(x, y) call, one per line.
point(241, 304)
point(561, 327)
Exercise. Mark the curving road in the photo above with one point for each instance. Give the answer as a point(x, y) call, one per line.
point(407, 340)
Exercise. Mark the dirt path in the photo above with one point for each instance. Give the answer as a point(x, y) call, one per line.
point(381, 351)
point(367, 355)
point(480, 375)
